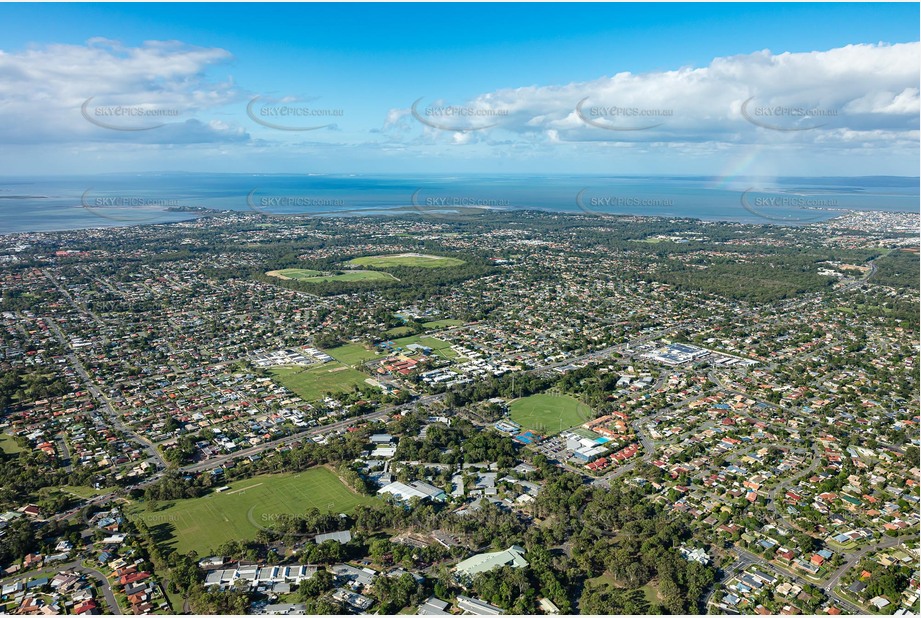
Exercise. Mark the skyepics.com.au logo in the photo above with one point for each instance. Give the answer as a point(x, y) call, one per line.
point(457, 118)
point(612, 117)
point(293, 205)
point(453, 206)
point(786, 118)
point(613, 205)
point(127, 209)
point(280, 524)
point(128, 117)
point(290, 115)
point(785, 208)
point(155, 519)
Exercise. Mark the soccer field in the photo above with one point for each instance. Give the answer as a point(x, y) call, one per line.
point(406, 259)
point(352, 354)
point(202, 524)
point(312, 383)
point(549, 414)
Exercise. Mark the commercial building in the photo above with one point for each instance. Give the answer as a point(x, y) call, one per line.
point(416, 489)
point(513, 557)
point(476, 607)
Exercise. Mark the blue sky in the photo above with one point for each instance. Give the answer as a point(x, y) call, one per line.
point(670, 89)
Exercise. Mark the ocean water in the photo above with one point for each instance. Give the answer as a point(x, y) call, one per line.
point(71, 203)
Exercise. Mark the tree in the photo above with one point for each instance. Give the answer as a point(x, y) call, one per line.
point(312, 588)
point(806, 543)
point(396, 593)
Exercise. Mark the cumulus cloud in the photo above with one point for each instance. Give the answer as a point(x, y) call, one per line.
point(104, 91)
point(850, 96)
point(88, 104)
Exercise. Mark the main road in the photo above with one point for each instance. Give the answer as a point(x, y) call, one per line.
point(215, 462)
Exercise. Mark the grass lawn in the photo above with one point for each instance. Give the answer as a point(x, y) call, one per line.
point(406, 259)
point(399, 331)
point(352, 353)
point(312, 383)
point(439, 347)
point(85, 492)
point(549, 414)
point(202, 524)
point(176, 601)
point(604, 578)
point(8, 444)
point(650, 590)
point(315, 276)
point(442, 323)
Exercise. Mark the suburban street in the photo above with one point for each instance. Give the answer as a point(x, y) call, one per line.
point(75, 565)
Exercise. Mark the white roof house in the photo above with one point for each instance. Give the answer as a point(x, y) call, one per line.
point(879, 602)
point(548, 607)
point(695, 555)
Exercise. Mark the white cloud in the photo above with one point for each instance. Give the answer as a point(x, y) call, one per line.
point(872, 90)
point(43, 89)
point(859, 94)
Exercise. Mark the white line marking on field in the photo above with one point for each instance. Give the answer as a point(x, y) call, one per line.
point(236, 491)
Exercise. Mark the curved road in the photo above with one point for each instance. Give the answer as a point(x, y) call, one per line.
point(76, 566)
point(783, 485)
point(828, 584)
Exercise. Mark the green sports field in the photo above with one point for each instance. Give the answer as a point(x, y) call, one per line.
point(439, 347)
point(352, 353)
point(415, 260)
point(315, 276)
point(202, 524)
point(312, 383)
point(549, 414)
point(399, 331)
point(442, 323)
